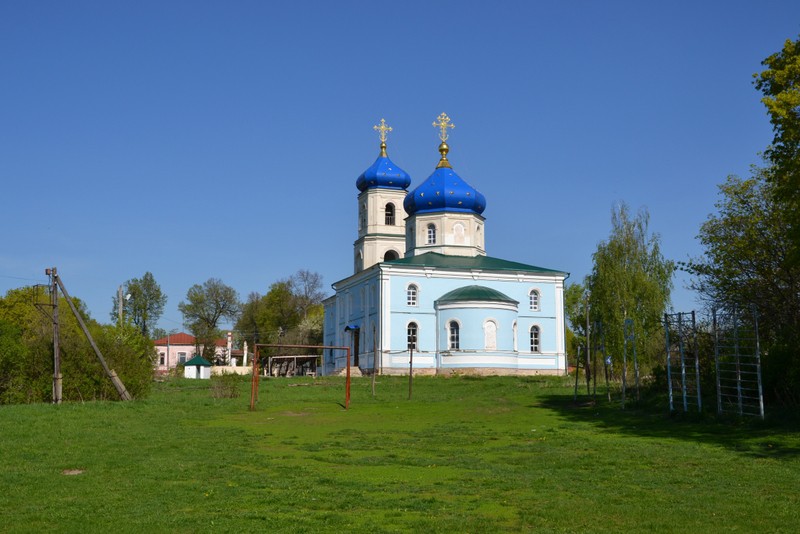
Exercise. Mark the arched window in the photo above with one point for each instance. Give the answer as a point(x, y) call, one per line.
point(411, 295)
point(454, 338)
point(514, 330)
point(390, 255)
point(362, 217)
point(390, 214)
point(490, 335)
point(431, 234)
point(536, 342)
point(412, 336)
point(535, 299)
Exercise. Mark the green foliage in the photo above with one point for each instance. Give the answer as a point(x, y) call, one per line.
point(226, 385)
point(22, 378)
point(780, 85)
point(145, 305)
point(575, 309)
point(26, 352)
point(291, 312)
point(630, 280)
point(746, 261)
point(205, 305)
point(746, 245)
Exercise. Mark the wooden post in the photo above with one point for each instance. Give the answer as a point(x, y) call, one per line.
point(57, 378)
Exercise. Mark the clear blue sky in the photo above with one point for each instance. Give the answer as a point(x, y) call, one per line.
point(223, 139)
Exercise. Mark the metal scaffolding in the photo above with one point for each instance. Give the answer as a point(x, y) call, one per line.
point(683, 363)
point(737, 358)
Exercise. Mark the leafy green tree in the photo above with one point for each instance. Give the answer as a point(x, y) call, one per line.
point(780, 85)
point(204, 307)
point(290, 312)
point(746, 260)
point(630, 279)
point(26, 352)
point(575, 309)
point(145, 305)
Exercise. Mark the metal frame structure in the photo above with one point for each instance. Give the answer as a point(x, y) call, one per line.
point(256, 365)
point(737, 358)
point(681, 354)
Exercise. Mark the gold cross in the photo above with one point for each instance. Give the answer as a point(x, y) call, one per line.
point(383, 128)
point(443, 124)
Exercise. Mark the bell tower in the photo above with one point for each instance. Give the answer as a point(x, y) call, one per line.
point(381, 227)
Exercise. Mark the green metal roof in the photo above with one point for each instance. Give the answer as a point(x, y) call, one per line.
point(198, 360)
point(485, 263)
point(475, 293)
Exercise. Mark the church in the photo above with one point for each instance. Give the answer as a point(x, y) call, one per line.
point(424, 294)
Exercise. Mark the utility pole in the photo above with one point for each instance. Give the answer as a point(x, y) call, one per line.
point(119, 304)
point(57, 379)
point(120, 387)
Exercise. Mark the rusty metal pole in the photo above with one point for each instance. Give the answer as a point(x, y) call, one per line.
point(253, 382)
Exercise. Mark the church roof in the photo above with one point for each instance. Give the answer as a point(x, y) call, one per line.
point(468, 263)
point(475, 293)
point(383, 174)
point(444, 190)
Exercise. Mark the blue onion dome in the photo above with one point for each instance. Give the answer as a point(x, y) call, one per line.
point(444, 190)
point(384, 174)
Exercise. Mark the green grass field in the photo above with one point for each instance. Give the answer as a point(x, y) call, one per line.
point(465, 455)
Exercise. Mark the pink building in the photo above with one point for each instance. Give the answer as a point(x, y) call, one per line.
point(177, 349)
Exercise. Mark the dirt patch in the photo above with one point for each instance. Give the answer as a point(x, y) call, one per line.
point(72, 471)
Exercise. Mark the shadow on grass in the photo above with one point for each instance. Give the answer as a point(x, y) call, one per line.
point(773, 438)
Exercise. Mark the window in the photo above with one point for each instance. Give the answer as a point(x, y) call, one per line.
point(411, 295)
point(390, 255)
point(431, 234)
point(536, 345)
point(514, 330)
point(412, 336)
point(390, 214)
point(454, 341)
point(161, 358)
point(362, 217)
point(490, 335)
point(181, 357)
point(535, 299)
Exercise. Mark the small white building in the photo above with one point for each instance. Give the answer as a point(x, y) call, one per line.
point(197, 367)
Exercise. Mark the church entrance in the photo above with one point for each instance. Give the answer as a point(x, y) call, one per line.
point(356, 336)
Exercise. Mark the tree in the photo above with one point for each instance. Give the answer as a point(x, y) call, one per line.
point(26, 352)
point(145, 305)
point(746, 260)
point(575, 309)
point(205, 305)
point(780, 85)
point(630, 279)
point(291, 311)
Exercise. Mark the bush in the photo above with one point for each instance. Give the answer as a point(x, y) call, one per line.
point(225, 386)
